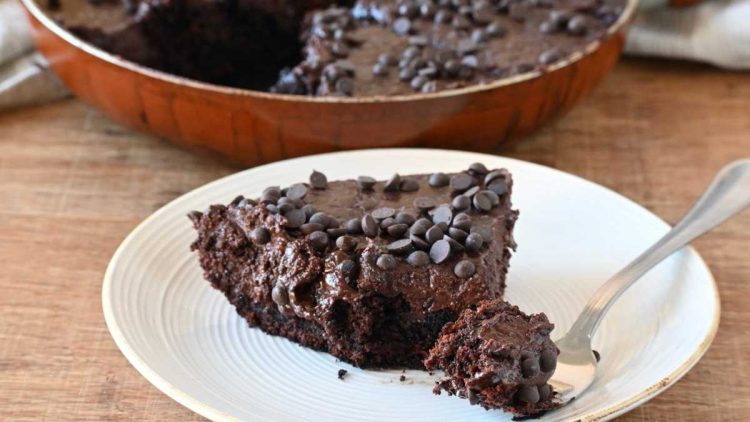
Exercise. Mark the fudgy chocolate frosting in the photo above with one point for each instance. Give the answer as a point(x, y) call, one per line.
point(309, 280)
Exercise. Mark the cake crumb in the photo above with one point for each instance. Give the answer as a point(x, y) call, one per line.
point(342, 373)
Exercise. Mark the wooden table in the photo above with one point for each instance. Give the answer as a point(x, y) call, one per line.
point(73, 184)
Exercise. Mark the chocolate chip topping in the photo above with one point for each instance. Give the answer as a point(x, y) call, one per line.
point(386, 262)
point(440, 251)
point(393, 184)
point(318, 180)
point(295, 218)
point(296, 191)
point(346, 243)
point(399, 247)
point(370, 227)
point(318, 240)
point(418, 259)
point(260, 236)
point(461, 182)
point(366, 182)
point(438, 180)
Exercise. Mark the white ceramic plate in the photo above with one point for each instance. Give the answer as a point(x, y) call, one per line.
point(187, 340)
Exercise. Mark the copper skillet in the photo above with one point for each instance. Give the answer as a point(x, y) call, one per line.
point(252, 127)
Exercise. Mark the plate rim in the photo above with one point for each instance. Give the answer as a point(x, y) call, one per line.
point(212, 413)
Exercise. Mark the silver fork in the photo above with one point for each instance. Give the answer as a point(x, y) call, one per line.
point(726, 196)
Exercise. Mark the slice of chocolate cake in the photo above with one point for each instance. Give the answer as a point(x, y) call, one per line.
point(498, 357)
point(367, 271)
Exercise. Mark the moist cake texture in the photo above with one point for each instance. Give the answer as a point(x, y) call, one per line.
point(348, 47)
point(367, 271)
point(499, 358)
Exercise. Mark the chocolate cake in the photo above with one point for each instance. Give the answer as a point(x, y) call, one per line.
point(369, 271)
point(499, 358)
point(352, 48)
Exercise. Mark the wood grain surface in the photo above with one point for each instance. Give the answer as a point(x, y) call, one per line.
point(73, 184)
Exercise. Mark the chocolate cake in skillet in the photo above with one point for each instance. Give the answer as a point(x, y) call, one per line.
point(369, 271)
point(348, 47)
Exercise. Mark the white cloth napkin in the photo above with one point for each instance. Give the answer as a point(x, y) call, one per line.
point(715, 31)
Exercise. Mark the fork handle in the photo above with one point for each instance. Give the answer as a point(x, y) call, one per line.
point(727, 195)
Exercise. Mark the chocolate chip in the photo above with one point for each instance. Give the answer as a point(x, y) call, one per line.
point(387, 59)
point(386, 262)
point(260, 236)
point(336, 232)
point(548, 360)
point(548, 27)
point(443, 226)
point(578, 25)
point(483, 13)
point(559, 17)
point(478, 169)
point(470, 61)
point(417, 82)
point(484, 231)
point(461, 182)
point(353, 226)
point(461, 203)
point(318, 180)
point(462, 221)
point(407, 74)
point(528, 394)
point(320, 218)
point(452, 67)
point(427, 9)
point(466, 46)
point(419, 243)
point(318, 240)
point(309, 210)
point(399, 247)
point(295, 218)
point(499, 187)
point(379, 69)
point(424, 203)
point(549, 56)
point(286, 206)
point(397, 230)
point(529, 367)
point(495, 174)
point(408, 9)
point(392, 185)
point(267, 198)
point(418, 259)
point(443, 16)
point(365, 182)
point(457, 234)
point(420, 227)
point(479, 36)
point(597, 356)
point(464, 269)
point(273, 209)
point(473, 242)
point(346, 243)
point(545, 392)
point(442, 214)
point(496, 29)
point(405, 218)
point(410, 53)
point(345, 86)
point(438, 180)
point(195, 216)
point(348, 268)
point(279, 295)
point(387, 223)
point(409, 185)
point(311, 227)
point(494, 198)
point(402, 26)
point(433, 234)
point(455, 246)
point(369, 226)
point(383, 213)
point(440, 251)
point(482, 202)
point(471, 191)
